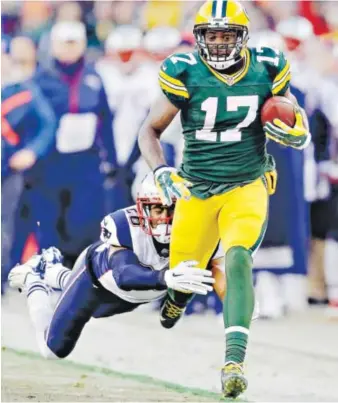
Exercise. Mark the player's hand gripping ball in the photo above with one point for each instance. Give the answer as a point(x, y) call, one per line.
point(283, 123)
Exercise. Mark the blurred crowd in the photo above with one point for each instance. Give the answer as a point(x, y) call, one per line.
point(78, 79)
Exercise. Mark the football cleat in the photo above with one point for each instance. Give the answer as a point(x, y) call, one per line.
point(171, 312)
point(17, 277)
point(50, 257)
point(54, 273)
point(233, 380)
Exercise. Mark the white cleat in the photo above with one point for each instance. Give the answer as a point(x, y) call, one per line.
point(18, 275)
point(55, 275)
point(51, 259)
point(52, 256)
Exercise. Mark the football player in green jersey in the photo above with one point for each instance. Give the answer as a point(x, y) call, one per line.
point(226, 177)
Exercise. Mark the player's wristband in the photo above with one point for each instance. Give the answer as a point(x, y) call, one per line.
point(159, 167)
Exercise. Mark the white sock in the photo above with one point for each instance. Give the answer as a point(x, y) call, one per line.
point(57, 276)
point(40, 311)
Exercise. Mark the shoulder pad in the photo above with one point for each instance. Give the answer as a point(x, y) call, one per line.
point(115, 230)
point(172, 76)
point(277, 66)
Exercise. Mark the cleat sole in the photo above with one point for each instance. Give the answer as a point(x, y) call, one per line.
point(234, 386)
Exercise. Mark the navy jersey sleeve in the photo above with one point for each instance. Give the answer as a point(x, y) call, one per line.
point(129, 274)
point(127, 271)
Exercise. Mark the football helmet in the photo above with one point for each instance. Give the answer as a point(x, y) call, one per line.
point(146, 197)
point(124, 41)
point(295, 31)
point(160, 42)
point(228, 16)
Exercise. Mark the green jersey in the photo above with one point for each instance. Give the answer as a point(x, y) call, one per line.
point(225, 144)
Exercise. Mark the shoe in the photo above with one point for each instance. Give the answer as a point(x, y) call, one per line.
point(171, 312)
point(233, 380)
point(50, 258)
point(53, 269)
point(17, 277)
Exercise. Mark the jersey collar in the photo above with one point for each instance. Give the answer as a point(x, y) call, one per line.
point(233, 78)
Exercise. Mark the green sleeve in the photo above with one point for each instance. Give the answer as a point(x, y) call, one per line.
point(170, 80)
point(282, 78)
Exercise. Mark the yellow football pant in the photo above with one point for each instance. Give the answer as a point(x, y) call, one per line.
point(237, 217)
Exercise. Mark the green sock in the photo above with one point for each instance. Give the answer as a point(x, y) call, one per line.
point(238, 303)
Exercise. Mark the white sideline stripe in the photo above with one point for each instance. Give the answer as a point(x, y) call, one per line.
point(69, 286)
point(240, 329)
point(219, 5)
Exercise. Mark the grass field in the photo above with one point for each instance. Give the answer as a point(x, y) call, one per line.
point(293, 359)
point(26, 377)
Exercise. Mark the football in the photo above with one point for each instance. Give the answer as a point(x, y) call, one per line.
point(278, 108)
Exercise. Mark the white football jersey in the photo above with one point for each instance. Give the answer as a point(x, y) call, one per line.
point(125, 230)
point(129, 96)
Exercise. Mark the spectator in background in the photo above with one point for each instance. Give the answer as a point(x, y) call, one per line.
point(69, 11)
point(159, 43)
point(300, 41)
point(35, 18)
point(66, 12)
point(103, 20)
point(130, 83)
point(276, 11)
point(162, 13)
point(27, 134)
point(322, 99)
point(124, 12)
point(23, 57)
point(84, 140)
point(329, 10)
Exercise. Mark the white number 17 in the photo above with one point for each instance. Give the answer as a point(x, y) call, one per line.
point(210, 106)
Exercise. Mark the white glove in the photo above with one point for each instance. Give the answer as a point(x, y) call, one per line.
point(185, 277)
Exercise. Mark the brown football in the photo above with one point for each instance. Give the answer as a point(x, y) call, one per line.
point(278, 108)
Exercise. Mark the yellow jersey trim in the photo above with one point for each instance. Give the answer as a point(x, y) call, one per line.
point(276, 90)
point(234, 78)
point(171, 80)
point(282, 73)
point(172, 90)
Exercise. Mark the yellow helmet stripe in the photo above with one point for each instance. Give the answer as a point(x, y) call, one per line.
point(219, 8)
